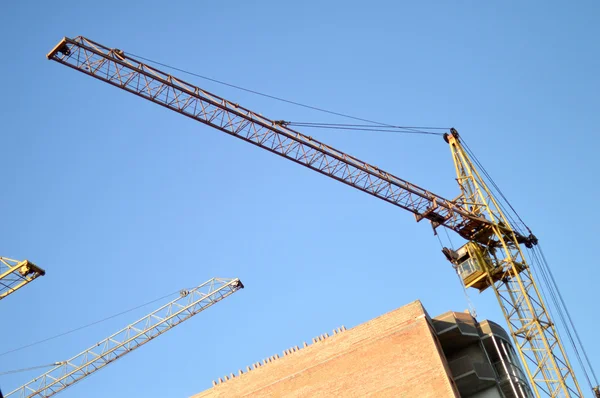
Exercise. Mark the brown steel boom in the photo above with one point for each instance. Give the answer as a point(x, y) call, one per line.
point(493, 251)
point(115, 67)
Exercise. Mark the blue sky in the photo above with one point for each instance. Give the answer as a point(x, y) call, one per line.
point(122, 201)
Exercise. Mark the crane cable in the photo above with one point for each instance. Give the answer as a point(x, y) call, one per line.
point(87, 325)
point(31, 368)
point(368, 127)
point(544, 270)
point(342, 127)
point(560, 303)
point(491, 180)
point(470, 305)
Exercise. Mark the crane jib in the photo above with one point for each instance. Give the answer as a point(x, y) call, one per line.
point(116, 68)
point(188, 304)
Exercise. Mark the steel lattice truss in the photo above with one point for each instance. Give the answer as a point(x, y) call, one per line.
point(533, 332)
point(190, 303)
point(115, 67)
point(474, 215)
point(15, 274)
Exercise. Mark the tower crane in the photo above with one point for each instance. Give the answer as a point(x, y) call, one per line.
point(189, 303)
point(493, 256)
point(15, 274)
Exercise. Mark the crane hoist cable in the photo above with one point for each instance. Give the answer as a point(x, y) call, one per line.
point(469, 302)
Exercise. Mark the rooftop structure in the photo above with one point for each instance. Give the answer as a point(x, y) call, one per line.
point(402, 353)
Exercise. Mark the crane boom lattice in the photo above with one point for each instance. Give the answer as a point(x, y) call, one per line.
point(510, 276)
point(15, 274)
point(116, 68)
point(69, 372)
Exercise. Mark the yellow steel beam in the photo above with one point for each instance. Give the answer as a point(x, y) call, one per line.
point(15, 274)
point(535, 335)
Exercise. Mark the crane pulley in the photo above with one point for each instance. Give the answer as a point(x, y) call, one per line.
point(492, 256)
point(189, 303)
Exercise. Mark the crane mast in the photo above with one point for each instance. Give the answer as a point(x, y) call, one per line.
point(15, 274)
point(492, 256)
point(73, 370)
point(501, 264)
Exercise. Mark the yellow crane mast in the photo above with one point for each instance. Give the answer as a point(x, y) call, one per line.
point(495, 259)
point(15, 274)
point(492, 257)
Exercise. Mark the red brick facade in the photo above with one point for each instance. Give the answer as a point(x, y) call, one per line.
point(394, 355)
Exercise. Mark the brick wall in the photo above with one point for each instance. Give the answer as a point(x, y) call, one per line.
point(394, 355)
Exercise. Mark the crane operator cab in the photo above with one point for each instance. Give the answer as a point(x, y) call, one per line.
point(475, 265)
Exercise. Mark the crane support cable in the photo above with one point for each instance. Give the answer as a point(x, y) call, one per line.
point(365, 127)
point(76, 329)
point(497, 188)
point(543, 271)
point(126, 340)
point(370, 125)
point(114, 67)
point(8, 372)
point(563, 305)
point(315, 108)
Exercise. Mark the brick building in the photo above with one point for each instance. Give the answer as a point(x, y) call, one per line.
point(404, 353)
